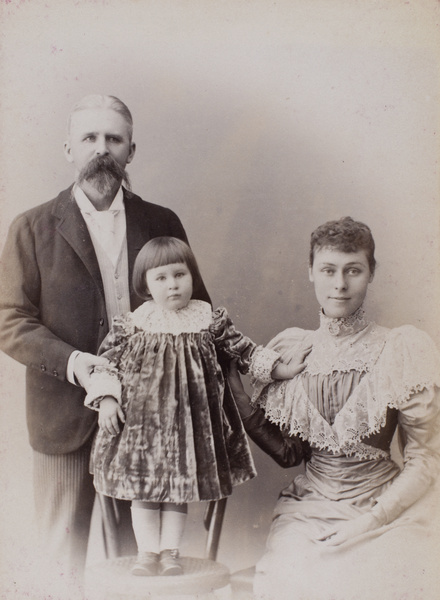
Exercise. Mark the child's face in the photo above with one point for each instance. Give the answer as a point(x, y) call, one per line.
point(171, 285)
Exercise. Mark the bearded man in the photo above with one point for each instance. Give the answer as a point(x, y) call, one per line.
point(65, 273)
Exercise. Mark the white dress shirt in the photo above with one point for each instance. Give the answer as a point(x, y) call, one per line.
point(108, 229)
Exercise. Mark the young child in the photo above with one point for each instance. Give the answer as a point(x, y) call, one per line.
point(181, 440)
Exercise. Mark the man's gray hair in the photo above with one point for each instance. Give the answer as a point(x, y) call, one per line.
point(101, 101)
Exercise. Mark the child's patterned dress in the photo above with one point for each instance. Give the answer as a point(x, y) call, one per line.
point(183, 439)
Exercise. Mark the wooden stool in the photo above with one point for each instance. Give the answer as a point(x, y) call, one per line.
point(112, 580)
point(242, 584)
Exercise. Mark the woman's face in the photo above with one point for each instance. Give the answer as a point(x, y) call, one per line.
point(341, 280)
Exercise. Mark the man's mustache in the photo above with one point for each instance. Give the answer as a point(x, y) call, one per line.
point(102, 171)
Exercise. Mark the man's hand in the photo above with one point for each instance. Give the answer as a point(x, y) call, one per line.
point(83, 367)
point(110, 413)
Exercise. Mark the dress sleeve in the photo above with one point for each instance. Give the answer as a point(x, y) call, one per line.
point(105, 380)
point(287, 451)
point(257, 360)
point(419, 423)
point(289, 342)
point(419, 426)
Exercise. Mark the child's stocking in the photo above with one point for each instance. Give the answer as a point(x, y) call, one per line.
point(173, 519)
point(145, 518)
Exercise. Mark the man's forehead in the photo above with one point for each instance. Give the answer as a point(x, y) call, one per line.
point(97, 118)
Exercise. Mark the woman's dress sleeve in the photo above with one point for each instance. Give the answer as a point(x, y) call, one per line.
point(287, 451)
point(257, 360)
point(105, 381)
point(418, 386)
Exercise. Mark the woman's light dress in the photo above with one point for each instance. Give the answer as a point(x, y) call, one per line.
point(360, 382)
point(183, 439)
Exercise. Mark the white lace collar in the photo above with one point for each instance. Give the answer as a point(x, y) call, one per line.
point(344, 325)
point(343, 345)
point(193, 318)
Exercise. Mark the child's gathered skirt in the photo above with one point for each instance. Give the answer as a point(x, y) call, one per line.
point(183, 439)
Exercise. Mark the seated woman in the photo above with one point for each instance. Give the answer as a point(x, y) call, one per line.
point(354, 525)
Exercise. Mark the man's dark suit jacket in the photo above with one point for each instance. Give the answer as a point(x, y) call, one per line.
point(52, 302)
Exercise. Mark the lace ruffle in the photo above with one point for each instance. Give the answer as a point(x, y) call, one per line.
point(263, 362)
point(152, 318)
point(407, 363)
point(343, 353)
point(104, 382)
point(357, 352)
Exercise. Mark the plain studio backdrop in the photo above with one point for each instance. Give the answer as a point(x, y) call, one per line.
point(255, 121)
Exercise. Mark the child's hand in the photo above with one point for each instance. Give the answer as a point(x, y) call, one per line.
point(293, 367)
point(109, 415)
point(83, 366)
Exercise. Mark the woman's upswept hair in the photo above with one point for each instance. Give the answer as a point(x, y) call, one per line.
point(345, 235)
point(102, 101)
point(158, 252)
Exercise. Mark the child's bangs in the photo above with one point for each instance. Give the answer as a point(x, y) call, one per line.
point(167, 255)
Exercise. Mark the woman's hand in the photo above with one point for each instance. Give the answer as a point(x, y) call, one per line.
point(110, 413)
point(287, 370)
point(346, 531)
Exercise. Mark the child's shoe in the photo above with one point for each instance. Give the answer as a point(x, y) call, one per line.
point(146, 564)
point(169, 563)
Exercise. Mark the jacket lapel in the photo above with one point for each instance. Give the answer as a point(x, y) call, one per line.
point(74, 230)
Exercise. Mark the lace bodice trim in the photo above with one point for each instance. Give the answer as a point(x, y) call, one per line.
point(398, 363)
point(356, 352)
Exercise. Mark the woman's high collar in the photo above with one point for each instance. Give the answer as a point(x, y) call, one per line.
point(344, 326)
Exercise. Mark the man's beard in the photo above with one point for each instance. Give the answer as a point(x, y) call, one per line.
point(102, 172)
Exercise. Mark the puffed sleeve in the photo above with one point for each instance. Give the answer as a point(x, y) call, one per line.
point(257, 360)
point(105, 381)
point(416, 380)
point(288, 344)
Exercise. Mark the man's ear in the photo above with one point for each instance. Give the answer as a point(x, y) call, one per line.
point(132, 153)
point(311, 275)
point(67, 151)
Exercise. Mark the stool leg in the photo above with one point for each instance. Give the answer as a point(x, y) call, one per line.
point(216, 515)
point(109, 526)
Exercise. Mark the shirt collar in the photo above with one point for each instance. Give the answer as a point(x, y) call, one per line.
point(86, 206)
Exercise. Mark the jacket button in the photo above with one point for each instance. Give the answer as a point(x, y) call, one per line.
point(55, 373)
point(101, 322)
point(42, 368)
